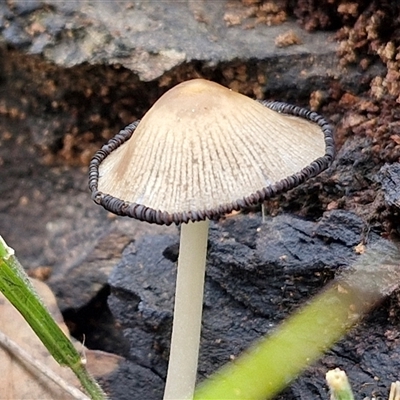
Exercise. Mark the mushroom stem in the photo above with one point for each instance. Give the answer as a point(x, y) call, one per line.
point(186, 328)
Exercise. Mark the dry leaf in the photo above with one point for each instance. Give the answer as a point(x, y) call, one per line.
point(20, 381)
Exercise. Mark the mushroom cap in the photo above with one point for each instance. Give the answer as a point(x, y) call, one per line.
point(203, 150)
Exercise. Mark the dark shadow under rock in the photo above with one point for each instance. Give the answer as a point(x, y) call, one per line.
point(94, 325)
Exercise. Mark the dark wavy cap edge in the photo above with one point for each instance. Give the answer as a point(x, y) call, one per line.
point(143, 213)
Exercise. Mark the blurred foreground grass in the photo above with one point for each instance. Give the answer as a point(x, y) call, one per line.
point(273, 362)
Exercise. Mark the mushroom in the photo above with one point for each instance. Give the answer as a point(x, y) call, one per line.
point(200, 152)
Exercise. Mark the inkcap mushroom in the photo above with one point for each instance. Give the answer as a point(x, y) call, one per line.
point(200, 152)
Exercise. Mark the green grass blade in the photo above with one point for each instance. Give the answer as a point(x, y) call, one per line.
point(269, 366)
point(16, 287)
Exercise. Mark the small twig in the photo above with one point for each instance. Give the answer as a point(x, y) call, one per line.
point(16, 350)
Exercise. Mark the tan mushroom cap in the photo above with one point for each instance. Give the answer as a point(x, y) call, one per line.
point(202, 145)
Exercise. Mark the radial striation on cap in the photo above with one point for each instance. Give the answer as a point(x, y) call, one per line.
point(203, 150)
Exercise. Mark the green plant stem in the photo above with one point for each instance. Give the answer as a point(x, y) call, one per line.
point(270, 365)
point(16, 287)
point(339, 385)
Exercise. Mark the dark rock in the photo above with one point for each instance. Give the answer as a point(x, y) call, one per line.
point(389, 178)
point(256, 274)
point(290, 258)
point(142, 290)
point(15, 35)
point(341, 226)
point(23, 8)
point(133, 382)
point(91, 275)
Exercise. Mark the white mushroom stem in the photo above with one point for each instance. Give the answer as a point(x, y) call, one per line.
point(186, 328)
